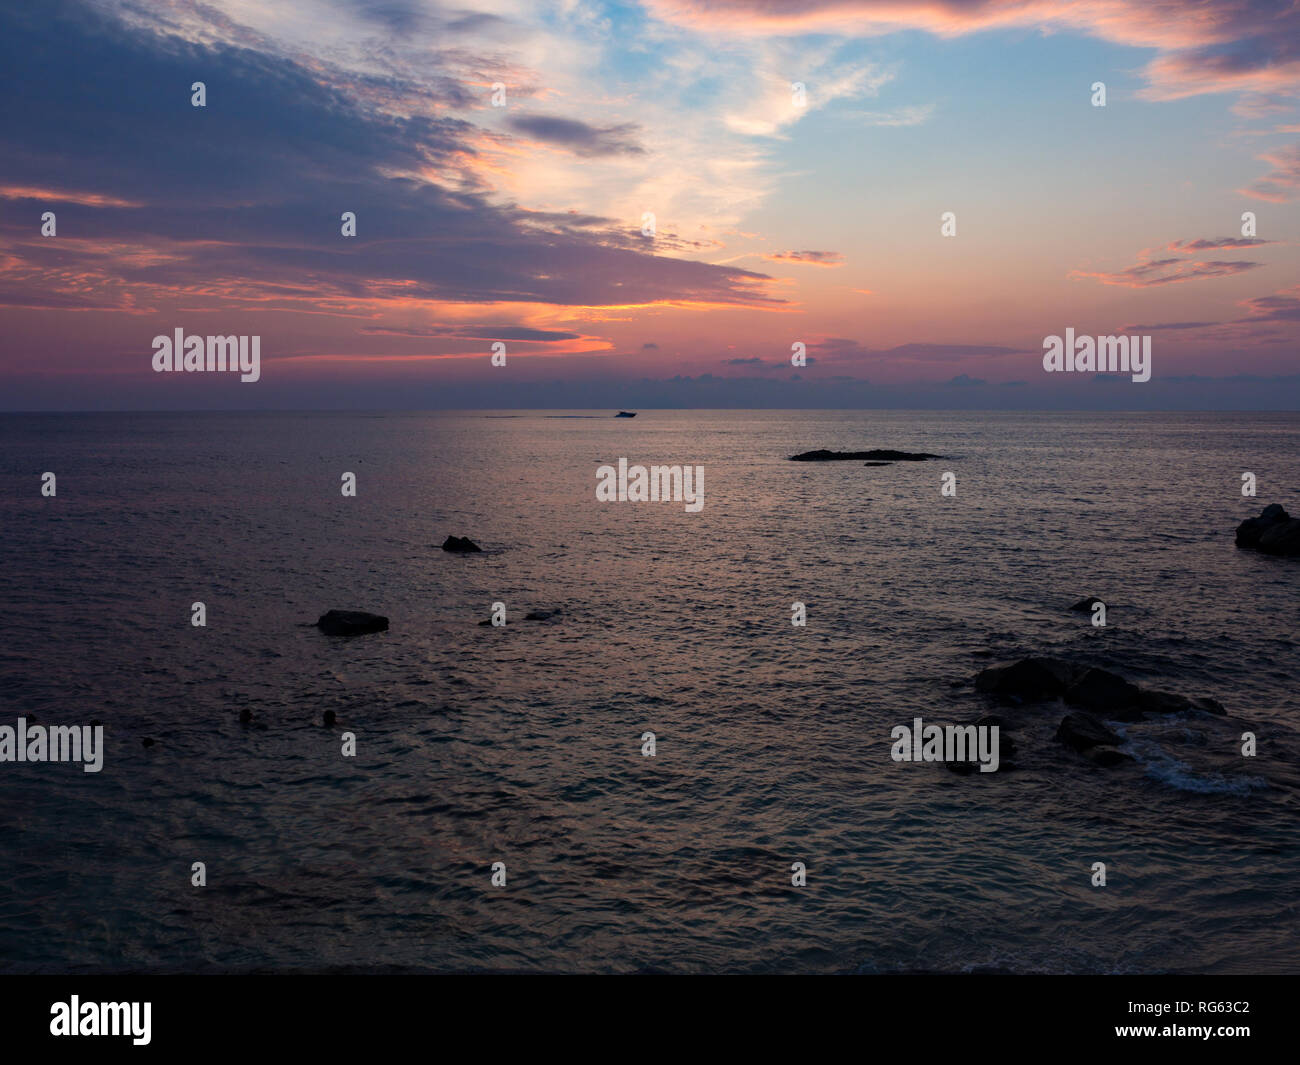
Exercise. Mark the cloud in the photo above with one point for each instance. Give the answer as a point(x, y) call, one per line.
point(1166, 326)
point(904, 116)
point(1165, 272)
point(1282, 183)
point(1241, 46)
point(239, 202)
point(807, 258)
point(1282, 306)
point(579, 137)
point(1204, 244)
point(477, 332)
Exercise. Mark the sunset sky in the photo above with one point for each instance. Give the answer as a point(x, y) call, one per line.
point(775, 223)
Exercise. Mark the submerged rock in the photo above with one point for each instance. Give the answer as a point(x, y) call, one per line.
point(350, 623)
point(1106, 756)
point(1274, 532)
point(1104, 692)
point(460, 543)
point(1082, 731)
point(1084, 606)
point(543, 615)
point(877, 464)
point(1029, 678)
point(882, 454)
point(1096, 690)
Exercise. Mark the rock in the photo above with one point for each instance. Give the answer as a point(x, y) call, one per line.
point(1103, 692)
point(882, 454)
point(1095, 690)
point(1106, 756)
point(146, 742)
point(329, 717)
point(350, 623)
point(1084, 606)
point(1152, 702)
point(877, 464)
point(542, 615)
point(1274, 532)
point(625, 414)
point(460, 543)
point(1029, 678)
point(1080, 732)
point(245, 716)
point(1281, 538)
point(1210, 706)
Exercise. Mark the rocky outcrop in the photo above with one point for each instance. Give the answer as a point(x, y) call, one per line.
point(350, 623)
point(1098, 691)
point(1095, 698)
point(1274, 532)
point(880, 455)
point(1030, 679)
point(1084, 606)
point(1082, 731)
point(462, 544)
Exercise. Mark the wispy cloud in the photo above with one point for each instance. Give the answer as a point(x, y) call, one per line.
point(807, 258)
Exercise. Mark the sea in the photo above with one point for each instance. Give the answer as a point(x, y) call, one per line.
point(498, 810)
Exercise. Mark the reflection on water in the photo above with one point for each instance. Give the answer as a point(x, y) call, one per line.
point(522, 744)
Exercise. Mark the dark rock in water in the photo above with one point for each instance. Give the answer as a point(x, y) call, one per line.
point(488, 622)
point(146, 742)
point(882, 454)
point(1080, 731)
point(1274, 532)
point(625, 414)
point(1030, 678)
point(1096, 690)
point(1152, 702)
point(329, 717)
point(245, 716)
point(542, 615)
point(1106, 756)
point(460, 543)
point(877, 464)
point(1103, 692)
point(1084, 606)
point(1210, 706)
point(350, 623)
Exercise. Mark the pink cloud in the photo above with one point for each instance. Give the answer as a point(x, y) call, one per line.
point(1227, 46)
point(1279, 185)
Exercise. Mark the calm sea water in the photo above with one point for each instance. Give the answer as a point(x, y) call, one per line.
point(522, 745)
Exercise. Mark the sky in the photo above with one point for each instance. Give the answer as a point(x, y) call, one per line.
point(649, 204)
